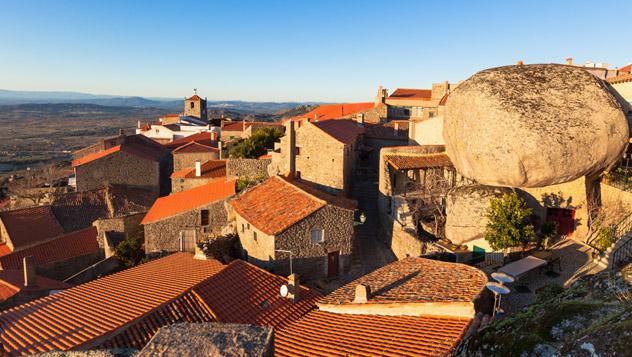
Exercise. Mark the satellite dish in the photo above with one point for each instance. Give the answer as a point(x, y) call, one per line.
point(503, 278)
point(283, 291)
point(497, 288)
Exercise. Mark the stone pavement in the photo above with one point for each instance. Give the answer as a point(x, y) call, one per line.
point(576, 261)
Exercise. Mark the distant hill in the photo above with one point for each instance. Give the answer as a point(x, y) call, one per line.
point(10, 97)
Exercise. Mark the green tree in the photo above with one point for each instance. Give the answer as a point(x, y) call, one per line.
point(130, 250)
point(256, 145)
point(508, 222)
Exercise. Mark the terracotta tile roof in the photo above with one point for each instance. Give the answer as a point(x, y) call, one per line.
point(336, 200)
point(194, 97)
point(243, 125)
point(138, 145)
point(210, 169)
point(93, 313)
point(626, 68)
point(625, 77)
point(194, 147)
point(12, 283)
point(344, 131)
point(416, 280)
point(4, 249)
point(387, 130)
point(334, 111)
point(328, 334)
point(67, 246)
point(188, 200)
point(411, 94)
point(411, 161)
point(205, 138)
point(28, 226)
point(243, 293)
point(277, 204)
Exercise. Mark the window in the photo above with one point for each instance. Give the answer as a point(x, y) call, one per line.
point(298, 174)
point(297, 151)
point(431, 114)
point(192, 105)
point(248, 226)
point(254, 236)
point(242, 228)
point(318, 235)
point(204, 217)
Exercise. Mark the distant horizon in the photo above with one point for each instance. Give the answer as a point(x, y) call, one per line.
point(279, 51)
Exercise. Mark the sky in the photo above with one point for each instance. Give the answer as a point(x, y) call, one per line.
point(331, 51)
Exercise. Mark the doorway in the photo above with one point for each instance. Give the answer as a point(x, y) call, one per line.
point(565, 219)
point(332, 264)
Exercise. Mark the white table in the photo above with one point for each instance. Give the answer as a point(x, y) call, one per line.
point(522, 266)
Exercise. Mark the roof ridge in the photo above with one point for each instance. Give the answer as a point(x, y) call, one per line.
point(318, 199)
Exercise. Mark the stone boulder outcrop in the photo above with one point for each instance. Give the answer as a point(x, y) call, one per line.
point(466, 210)
point(533, 126)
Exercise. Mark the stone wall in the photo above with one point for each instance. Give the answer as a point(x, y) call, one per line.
point(67, 268)
point(165, 234)
point(125, 226)
point(187, 160)
point(624, 89)
point(183, 184)
point(427, 131)
point(247, 168)
point(119, 168)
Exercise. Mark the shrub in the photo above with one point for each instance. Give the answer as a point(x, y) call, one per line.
point(508, 222)
point(256, 145)
point(130, 250)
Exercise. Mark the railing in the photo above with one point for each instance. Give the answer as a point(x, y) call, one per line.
point(622, 254)
point(619, 231)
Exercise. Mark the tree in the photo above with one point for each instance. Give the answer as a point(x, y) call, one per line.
point(130, 250)
point(256, 145)
point(36, 185)
point(508, 222)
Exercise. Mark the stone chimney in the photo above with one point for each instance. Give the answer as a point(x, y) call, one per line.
point(315, 117)
point(569, 61)
point(30, 273)
point(198, 168)
point(362, 294)
point(214, 135)
point(220, 154)
point(293, 287)
point(381, 96)
point(360, 119)
point(291, 149)
point(519, 63)
point(199, 253)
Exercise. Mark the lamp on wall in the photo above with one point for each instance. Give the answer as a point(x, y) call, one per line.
point(361, 219)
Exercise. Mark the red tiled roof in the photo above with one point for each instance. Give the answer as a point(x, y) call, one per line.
point(243, 125)
point(626, 68)
point(194, 147)
point(334, 111)
point(138, 145)
point(345, 131)
point(59, 249)
point(328, 334)
point(185, 201)
point(28, 226)
point(89, 314)
point(265, 156)
point(416, 279)
point(4, 249)
point(210, 169)
point(204, 138)
point(408, 162)
point(243, 293)
point(625, 77)
point(411, 94)
point(194, 97)
point(12, 282)
point(276, 204)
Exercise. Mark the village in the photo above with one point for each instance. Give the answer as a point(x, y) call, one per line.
point(405, 225)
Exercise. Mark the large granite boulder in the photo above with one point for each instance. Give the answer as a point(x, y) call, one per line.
point(466, 211)
point(533, 126)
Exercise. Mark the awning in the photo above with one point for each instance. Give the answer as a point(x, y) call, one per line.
point(522, 266)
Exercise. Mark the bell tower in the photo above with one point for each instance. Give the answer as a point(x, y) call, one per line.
point(195, 107)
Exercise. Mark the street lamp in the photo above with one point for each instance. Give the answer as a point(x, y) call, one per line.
point(362, 219)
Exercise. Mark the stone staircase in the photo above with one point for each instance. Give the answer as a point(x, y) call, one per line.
point(620, 251)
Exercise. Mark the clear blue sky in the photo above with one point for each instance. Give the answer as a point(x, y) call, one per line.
point(292, 50)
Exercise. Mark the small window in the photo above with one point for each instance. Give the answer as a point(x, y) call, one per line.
point(204, 217)
point(192, 105)
point(242, 228)
point(248, 226)
point(254, 236)
point(297, 151)
point(431, 114)
point(298, 174)
point(318, 235)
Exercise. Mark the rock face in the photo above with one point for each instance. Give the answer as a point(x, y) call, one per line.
point(533, 126)
point(466, 210)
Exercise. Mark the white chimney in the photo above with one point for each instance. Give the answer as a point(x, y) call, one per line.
point(362, 294)
point(569, 61)
point(220, 154)
point(293, 287)
point(360, 119)
point(198, 168)
point(30, 273)
point(138, 125)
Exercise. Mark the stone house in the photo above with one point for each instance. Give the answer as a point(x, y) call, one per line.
point(137, 162)
point(185, 156)
point(281, 215)
point(410, 307)
point(208, 138)
point(244, 129)
point(25, 227)
point(324, 153)
point(414, 103)
point(200, 174)
point(369, 112)
point(182, 219)
point(622, 84)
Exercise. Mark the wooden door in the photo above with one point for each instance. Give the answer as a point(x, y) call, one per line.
point(332, 264)
point(565, 219)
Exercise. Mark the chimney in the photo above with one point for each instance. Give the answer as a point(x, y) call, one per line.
point(569, 61)
point(121, 132)
point(198, 168)
point(294, 288)
point(138, 125)
point(220, 154)
point(360, 119)
point(362, 294)
point(381, 96)
point(519, 63)
point(30, 274)
point(291, 150)
point(315, 117)
point(199, 253)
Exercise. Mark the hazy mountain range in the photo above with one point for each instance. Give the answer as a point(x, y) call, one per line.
point(10, 97)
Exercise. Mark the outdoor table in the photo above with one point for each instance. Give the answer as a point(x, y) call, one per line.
point(522, 266)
